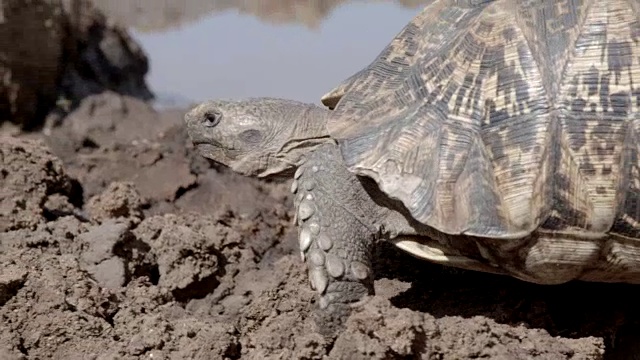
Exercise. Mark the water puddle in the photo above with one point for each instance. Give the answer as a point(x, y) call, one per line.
point(230, 54)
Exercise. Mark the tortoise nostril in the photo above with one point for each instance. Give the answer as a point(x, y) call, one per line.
point(190, 117)
point(211, 118)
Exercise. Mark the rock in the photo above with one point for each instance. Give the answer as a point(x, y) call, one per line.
point(99, 259)
point(55, 53)
point(109, 273)
point(102, 56)
point(33, 36)
point(12, 277)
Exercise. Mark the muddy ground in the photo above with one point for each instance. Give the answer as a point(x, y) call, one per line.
point(117, 241)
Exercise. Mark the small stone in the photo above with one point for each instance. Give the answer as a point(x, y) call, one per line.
point(294, 187)
point(324, 242)
point(316, 257)
point(309, 197)
point(314, 168)
point(305, 239)
point(110, 273)
point(319, 280)
point(100, 241)
point(305, 210)
point(12, 278)
point(359, 270)
point(314, 228)
point(335, 266)
point(309, 185)
point(323, 303)
point(298, 173)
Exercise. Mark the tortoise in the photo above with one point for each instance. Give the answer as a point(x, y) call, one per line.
point(498, 136)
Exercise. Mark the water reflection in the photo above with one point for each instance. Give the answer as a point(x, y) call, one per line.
point(154, 15)
point(228, 54)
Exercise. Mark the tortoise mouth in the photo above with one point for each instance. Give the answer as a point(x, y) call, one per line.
point(205, 145)
point(213, 152)
point(208, 146)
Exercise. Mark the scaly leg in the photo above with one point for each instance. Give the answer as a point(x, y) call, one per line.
point(334, 236)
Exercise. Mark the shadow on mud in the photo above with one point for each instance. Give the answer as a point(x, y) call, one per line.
point(573, 310)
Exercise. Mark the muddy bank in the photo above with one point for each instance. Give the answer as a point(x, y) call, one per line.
point(119, 242)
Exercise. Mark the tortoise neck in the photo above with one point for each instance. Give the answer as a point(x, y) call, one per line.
point(311, 123)
point(308, 131)
point(303, 130)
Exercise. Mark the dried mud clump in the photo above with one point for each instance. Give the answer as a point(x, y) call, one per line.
point(33, 184)
point(118, 200)
point(114, 284)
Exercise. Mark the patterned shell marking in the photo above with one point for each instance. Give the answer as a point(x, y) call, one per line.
point(499, 119)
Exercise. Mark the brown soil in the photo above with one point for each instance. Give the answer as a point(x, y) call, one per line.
point(117, 241)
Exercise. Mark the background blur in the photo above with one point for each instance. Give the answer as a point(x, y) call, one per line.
point(292, 49)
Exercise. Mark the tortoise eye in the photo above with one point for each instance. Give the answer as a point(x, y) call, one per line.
point(211, 118)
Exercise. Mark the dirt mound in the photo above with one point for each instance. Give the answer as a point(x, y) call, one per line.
point(155, 252)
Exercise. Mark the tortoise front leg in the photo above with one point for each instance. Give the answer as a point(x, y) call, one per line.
point(334, 243)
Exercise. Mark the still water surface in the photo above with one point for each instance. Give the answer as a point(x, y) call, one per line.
point(230, 55)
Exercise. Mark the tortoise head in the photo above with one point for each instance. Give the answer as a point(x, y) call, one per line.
point(256, 137)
